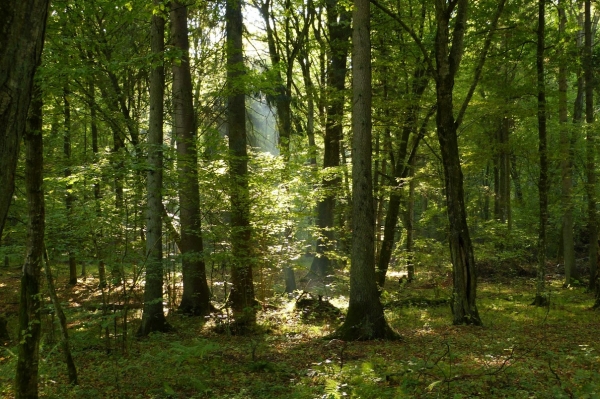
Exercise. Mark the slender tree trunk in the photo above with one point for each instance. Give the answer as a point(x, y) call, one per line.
point(365, 319)
point(448, 59)
point(410, 223)
point(541, 298)
point(153, 317)
point(590, 137)
point(401, 169)
point(566, 154)
point(71, 369)
point(338, 23)
point(26, 383)
point(242, 291)
point(97, 192)
point(196, 297)
point(69, 197)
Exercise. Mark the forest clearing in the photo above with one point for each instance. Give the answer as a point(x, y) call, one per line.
point(523, 351)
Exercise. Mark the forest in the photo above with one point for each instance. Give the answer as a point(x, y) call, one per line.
point(299, 199)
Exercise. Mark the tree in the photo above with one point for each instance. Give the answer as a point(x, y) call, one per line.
point(590, 138)
point(566, 153)
point(153, 317)
point(26, 385)
point(242, 291)
point(540, 294)
point(23, 26)
point(365, 319)
point(195, 298)
point(338, 24)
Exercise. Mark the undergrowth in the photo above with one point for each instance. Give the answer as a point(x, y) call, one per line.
point(521, 352)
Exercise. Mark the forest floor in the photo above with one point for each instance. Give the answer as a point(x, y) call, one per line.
point(521, 352)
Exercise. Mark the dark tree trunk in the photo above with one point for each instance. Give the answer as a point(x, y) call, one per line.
point(196, 297)
point(153, 317)
point(242, 291)
point(448, 59)
point(566, 149)
point(541, 298)
point(97, 192)
point(365, 319)
point(590, 136)
point(71, 369)
point(22, 28)
point(401, 169)
point(69, 197)
point(338, 23)
point(26, 383)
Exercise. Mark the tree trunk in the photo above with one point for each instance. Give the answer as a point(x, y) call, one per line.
point(401, 169)
point(22, 28)
point(26, 382)
point(541, 298)
point(448, 59)
point(590, 137)
point(71, 369)
point(69, 197)
point(338, 23)
point(242, 291)
point(566, 163)
point(153, 317)
point(196, 297)
point(365, 319)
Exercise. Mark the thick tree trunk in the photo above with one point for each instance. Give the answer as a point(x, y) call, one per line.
point(26, 382)
point(196, 297)
point(365, 319)
point(590, 137)
point(22, 28)
point(338, 23)
point(242, 291)
point(541, 298)
point(153, 317)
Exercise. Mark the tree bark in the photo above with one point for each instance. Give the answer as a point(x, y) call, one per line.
point(541, 298)
point(22, 29)
point(590, 137)
point(195, 299)
point(153, 317)
point(26, 382)
point(365, 319)
point(566, 162)
point(71, 369)
point(448, 59)
point(69, 197)
point(338, 23)
point(241, 297)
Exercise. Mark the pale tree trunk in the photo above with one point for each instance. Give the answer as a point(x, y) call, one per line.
point(242, 299)
point(26, 382)
point(566, 163)
point(195, 299)
point(502, 172)
point(338, 23)
point(153, 317)
point(541, 298)
point(365, 319)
